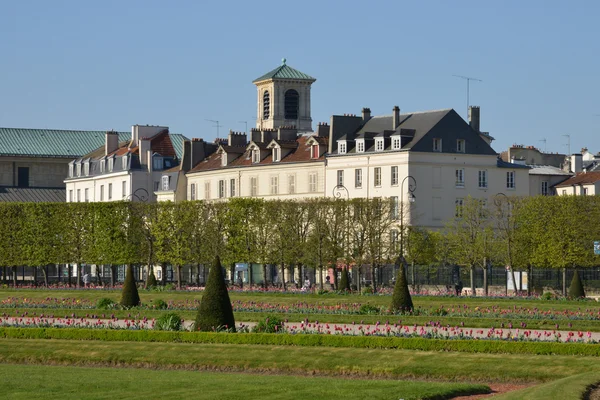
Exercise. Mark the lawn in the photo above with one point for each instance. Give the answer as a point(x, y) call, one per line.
point(58, 382)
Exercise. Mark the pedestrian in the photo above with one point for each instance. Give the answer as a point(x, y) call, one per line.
point(86, 280)
point(459, 287)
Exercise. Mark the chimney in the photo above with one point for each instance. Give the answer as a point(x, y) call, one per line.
point(576, 163)
point(395, 117)
point(366, 114)
point(323, 129)
point(236, 138)
point(197, 152)
point(474, 118)
point(255, 135)
point(111, 142)
point(145, 153)
point(134, 136)
point(149, 157)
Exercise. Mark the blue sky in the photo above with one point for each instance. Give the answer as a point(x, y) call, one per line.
point(110, 64)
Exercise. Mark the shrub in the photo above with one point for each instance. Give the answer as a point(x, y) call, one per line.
point(270, 325)
point(168, 322)
point(151, 280)
point(401, 300)
point(548, 296)
point(160, 304)
point(576, 289)
point(368, 309)
point(215, 309)
point(322, 291)
point(105, 304)
point(344, 285)
point(366, 290)
point(130, 296)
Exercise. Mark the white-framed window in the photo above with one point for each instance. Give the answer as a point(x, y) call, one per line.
point(395, 208)
point(86, 195)
point(70, 196)
point(71, 168)
point(585, 191)
point(102, 165)
point(544, 188)
point(460, 177)
point(207, 190)
point(437, 145)
point(291, 184)
point(314, 151)
point(110, 191)
point(86, 168)
point(396, 143)
point(394, 173)
point(166, 180)
point(312, 182)
point(78, 195)
point(232, 187)
point(221, 187)
point(460, 145)
point(223, 159)
point(255, 156)
point(483, 181)
point(360, 146)
point(340, 177)
point(458, 213)
point(101, 192)
point(342, 147)
point(379, 144)
point(124, 162)
point(358, 178)
point(274, 184)
point(124, 188)
point(276, 154)
point(193, 191)
point(157, 163)
point(110, 164)
point(78, 169)
point(253, 186)
point(510, 180)
point(377, 173)
point(564, 192)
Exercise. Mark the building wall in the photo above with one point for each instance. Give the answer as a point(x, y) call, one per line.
point(242, 177)
point(578, 190)
point(43, 172)
point(535, 183)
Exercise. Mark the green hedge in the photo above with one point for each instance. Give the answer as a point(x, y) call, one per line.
point(367, 342)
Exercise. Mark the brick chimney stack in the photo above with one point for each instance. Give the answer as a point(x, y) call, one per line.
point(395, 118)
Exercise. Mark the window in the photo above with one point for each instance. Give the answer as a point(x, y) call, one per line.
point(342, 147)
point(510, 180)
point(458, 213)
point(360, 146)
point(460, 178)
point(585, 191)
point(86, 195)
point(110, 164)
point(221, 188)
point(545, 188)
point(101, 192)
point(437, 144)
point(193, 191)
point(23, 177)
point(86, 168)
point(207, 190)
point(70, 196)
point(110, 191)
point(314, 151)
point(377, 173)
point(253, 186)
point(124, 188)
point(379, 144)
point(78, 169)
point(232, 187)
point(223, 159)
point(564, 192)
point(291, 102)
point(483, 183)
point(102, 165)
point(124, 162)
point(156, 185)
point(266, 105)
point(274, 185)
point(394, 237)
point(78, 195)
point(396, 143)
point(276, 154)
point(166, 180)
point(312, 182)
point(358, 178)
point(394, 211)
point(340, 177)
point(460, 145)
point(71, 170)
point(255, 156)
point(394, 175)
point(291, 184)
point(157, 163)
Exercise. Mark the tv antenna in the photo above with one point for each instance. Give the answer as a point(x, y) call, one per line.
point(216, 124)
point(568, 143)
point(468, 79)
point(544, 141)
point(246, 123)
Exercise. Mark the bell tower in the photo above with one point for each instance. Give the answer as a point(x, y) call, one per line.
point(284, 99)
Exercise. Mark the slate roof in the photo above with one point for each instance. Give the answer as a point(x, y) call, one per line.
point(500, 163)
point(285, 72)
point(582, 178)
point(32, 195)
point(547, 170)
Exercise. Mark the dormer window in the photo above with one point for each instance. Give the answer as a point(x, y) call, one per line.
point(157, 163)
point(110, 164)
point(78, 169)
point(314, 151)
point(255, 156)
point(460, 145)
point(102, 165)
point(360, 146)
point(437, 145)
point(396, 143)
point(71, 167)
point(276, 154)
point(86, 168)
point(379, 144)
point(342, 147)
point(124, 162)
point(223, 159)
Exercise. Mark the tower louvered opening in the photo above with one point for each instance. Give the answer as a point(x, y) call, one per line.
point(266, 105)
point(291, 104)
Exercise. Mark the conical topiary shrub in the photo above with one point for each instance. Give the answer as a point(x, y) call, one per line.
point(129, 295)
point(401, 300)
point(576, 289)
point(151, 280)
point(215, 311)
point(344, 282)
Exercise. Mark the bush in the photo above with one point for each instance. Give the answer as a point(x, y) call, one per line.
point(130, 296)
point(322, 291)
point(215, 309)
point(160, 304)
point(368, 309)
point(344, 285)
point(576, 289)
point(401, 300)
point(168, 322)
point(366, 290)
point(270, 325)
point(105, 304)
point(548, 296)
point(151, 280)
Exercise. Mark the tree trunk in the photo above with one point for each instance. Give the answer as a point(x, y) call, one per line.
point(485, 280)
point(264, 269)
point(529, 279)
point(78, 274)
point(564, 282)
point(413, 276)
point(358, 276)
point(178, 271)
point(250, 282)
point(321, 276)
point(512, 274)
point(14, 276)
point(472, 278)
point(373, 277)
point(70, 273)
point(163, 278)
point(283, 276)
point(198, 274)
point(113, 275)
point(45, 273)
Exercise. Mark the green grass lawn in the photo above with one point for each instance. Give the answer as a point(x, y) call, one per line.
point(56, 382)
point(570, 388)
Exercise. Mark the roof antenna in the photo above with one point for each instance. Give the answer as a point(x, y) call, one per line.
point(544, 141)
point(568, 143)
point(216, 124)
point(468, 79)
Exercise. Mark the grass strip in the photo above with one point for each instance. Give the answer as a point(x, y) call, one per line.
point(307, 340)
point(569, 388)
point(53, 382)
